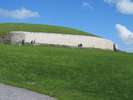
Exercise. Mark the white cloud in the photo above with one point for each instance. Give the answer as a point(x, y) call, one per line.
point(125, 34)
point(87, 4)
point(22, 13)
point(123, 6)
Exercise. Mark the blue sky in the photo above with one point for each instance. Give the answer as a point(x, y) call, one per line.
point(106, 18)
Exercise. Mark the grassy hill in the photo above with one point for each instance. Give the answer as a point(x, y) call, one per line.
point(7, 27)
point(68, 73)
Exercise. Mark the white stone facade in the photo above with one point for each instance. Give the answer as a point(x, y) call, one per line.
point(62, 39)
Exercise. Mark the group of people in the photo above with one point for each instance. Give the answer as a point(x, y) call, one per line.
point(32, 42)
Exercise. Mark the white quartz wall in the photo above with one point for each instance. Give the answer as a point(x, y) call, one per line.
point(68, 40)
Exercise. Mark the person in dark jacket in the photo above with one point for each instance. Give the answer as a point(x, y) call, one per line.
point(80, 45)
point(114, 46)
point(23, 42)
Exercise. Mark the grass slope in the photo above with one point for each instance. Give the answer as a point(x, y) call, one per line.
point(7, 27)
point(68, 73)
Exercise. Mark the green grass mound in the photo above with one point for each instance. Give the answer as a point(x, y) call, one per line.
point(68, 73)
point(7, 27)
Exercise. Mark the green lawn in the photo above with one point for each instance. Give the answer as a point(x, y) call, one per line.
point(7, 27)
point(68, 73)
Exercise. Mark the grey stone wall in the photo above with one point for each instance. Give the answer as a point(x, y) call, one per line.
point(5, 39)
